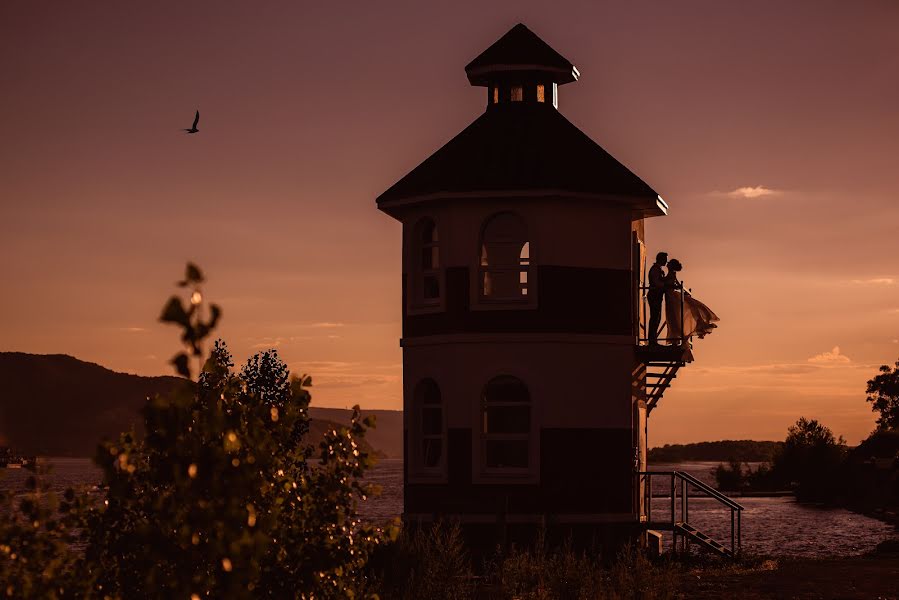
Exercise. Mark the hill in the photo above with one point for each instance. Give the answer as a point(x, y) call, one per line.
point(57, 405)
point(724, 450)
point(387, 436)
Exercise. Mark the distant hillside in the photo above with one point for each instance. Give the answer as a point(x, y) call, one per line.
point(57, 405)
point(742, 450)
point(387, 436)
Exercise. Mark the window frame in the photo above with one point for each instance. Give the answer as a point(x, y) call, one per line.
point(528, 301)
point(488, 474)
point(419, 470)
point(416, 303)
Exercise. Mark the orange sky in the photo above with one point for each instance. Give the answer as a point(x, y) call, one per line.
point(772, 130)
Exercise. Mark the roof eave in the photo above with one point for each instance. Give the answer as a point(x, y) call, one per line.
point(642, 205)
point(481, 76)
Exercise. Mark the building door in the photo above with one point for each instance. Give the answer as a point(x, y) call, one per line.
point(640, 458)
point(639, 275)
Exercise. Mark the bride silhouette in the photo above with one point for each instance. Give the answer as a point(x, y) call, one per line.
point(686, 316)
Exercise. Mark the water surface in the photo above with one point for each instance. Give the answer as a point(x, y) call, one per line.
point(771, 526)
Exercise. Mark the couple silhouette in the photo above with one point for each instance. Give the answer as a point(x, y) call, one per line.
point(685, 316)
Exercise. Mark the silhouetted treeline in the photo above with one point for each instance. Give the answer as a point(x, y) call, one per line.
point(819, 467)
point(724, 450)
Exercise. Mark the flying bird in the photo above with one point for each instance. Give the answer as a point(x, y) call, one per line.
point(193, 128)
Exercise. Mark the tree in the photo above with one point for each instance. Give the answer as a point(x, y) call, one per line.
point(883, 394)
point(223, 498)
point(809, 460)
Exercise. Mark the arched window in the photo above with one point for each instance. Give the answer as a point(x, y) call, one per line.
point(506, 413)
point(429, 442)
point(505, 259)
point(427, 267)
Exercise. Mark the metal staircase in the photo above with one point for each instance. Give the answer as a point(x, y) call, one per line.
point(662, 364)
point(683, 486)
point(657, 368)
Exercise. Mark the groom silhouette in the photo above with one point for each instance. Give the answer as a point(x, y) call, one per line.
point(655, 295)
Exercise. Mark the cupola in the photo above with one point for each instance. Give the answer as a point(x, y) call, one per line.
point(520, 68)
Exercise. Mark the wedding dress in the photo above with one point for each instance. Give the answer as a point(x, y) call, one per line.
point(698, 319)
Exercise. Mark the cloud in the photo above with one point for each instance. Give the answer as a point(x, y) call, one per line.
point(753, 192)
point(352, 381)
point(133, 329)
point(875, 281)
point(830, 358)
point(326, 325)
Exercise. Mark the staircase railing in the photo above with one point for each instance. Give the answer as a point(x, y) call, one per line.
point(680, 527)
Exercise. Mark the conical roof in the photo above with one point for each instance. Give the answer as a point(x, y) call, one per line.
point(520, 49)
point(522, 149)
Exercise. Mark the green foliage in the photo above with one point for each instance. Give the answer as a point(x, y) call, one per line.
point(223, 498)
point(38, 529)
point(194, 327)
point(810, 460)
point(883, 394)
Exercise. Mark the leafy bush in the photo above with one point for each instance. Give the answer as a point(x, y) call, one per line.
point(223, 498)
point(38, 532)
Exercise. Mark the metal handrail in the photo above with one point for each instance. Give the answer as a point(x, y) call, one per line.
point(686, 480)
point(642, 327)
point(710, 490)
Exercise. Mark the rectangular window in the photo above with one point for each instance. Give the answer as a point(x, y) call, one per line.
point(431, 449)
point(541, 93)
point(430, 258)
point(508, 419)
point(431, 286)
point(517, 93)
point(507, 454)
point(496, 95)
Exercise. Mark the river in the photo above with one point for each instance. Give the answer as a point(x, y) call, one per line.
point(771, 526)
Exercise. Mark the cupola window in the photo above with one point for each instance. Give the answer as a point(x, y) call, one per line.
point(541, 93)
point(517, 93)
point(506, 415)
point(505, 260)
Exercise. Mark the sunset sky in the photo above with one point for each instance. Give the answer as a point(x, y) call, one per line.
point(770, 128)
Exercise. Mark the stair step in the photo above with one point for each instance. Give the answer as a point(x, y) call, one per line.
point(702, 539)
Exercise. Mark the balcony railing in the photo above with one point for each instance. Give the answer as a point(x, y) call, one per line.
point(643, 320)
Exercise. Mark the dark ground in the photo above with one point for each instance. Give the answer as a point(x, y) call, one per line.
point(868, 578)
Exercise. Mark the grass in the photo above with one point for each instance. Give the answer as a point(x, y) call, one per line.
point(434, 564)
